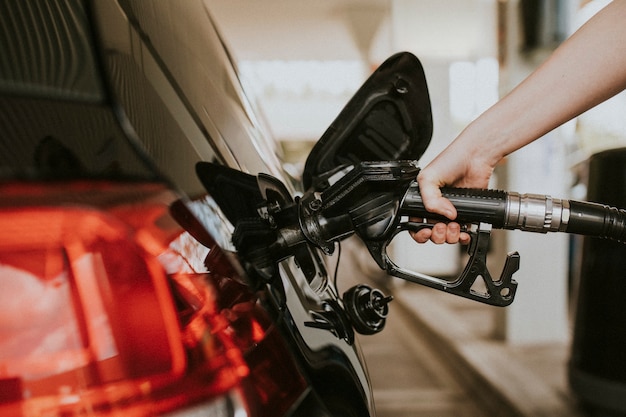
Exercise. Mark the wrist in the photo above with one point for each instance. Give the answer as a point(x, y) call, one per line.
point(483, 144)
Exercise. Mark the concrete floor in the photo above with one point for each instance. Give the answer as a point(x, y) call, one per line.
point(436, 357)
point(523, 380)
point(410, 378)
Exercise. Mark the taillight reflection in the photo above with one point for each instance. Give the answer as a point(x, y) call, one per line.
point(88, 325)
point(110, 308)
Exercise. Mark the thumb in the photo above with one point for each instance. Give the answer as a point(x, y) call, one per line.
point(434, 202)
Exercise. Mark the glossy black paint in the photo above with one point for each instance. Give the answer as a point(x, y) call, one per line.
point(389, 118)
point(122, 96)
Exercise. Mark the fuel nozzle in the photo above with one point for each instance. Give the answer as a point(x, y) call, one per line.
point(367, 308)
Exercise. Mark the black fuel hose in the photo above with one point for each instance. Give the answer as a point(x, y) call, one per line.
point(527, 212)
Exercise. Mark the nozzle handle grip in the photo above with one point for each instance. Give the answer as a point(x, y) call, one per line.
point(527, 212)
point(473, 205)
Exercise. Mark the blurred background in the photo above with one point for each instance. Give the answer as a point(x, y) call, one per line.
point(303, 60)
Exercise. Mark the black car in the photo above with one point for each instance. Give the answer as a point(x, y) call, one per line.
point(122, 291)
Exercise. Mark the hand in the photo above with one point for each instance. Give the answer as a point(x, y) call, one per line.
point(442, 233)
point(456, 168)
point(527, 113)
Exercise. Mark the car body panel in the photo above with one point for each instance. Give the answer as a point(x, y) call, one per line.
point(140, 92)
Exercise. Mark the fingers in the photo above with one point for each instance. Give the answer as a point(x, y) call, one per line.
point(430, 181)
point(464, 238)
point(433, 200)
point(442, 233)
point(422, 236)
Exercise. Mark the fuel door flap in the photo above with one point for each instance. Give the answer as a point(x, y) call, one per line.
point(388, 118)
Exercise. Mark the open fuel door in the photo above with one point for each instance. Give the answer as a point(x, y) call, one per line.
point(389, 118)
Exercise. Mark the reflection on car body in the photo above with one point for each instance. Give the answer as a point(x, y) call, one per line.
point(121, 295)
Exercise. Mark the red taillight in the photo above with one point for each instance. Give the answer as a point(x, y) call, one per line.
point(275, 383)
point(88, 324)
point(83, 290)
point(274, 380)
point(108, 309)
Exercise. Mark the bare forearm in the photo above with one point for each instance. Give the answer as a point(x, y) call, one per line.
point(588, 68)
